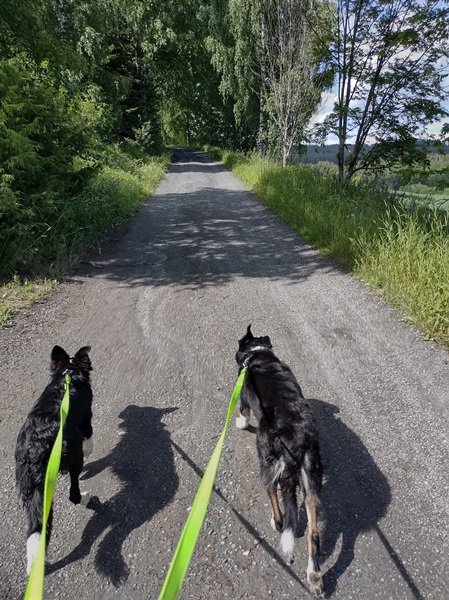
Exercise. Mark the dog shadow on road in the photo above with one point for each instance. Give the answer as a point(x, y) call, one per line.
point(355, 496)
point(144, 464)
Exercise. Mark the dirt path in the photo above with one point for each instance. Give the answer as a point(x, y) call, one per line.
point(163, 307)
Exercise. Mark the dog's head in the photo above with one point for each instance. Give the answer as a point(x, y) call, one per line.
point(61, 361)
point(249, 344)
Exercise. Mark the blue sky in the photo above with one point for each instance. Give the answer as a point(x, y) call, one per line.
point(328, 99)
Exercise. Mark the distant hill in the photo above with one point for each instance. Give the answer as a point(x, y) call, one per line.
point(315, 153)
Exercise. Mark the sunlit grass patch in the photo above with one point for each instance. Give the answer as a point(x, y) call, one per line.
point(399, 249)
point(17, 294)
point(408, 262)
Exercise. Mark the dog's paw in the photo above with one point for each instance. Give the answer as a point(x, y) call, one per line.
point(85, 497)
point(316, 585)
point(242, 422)
point(88, 446)
point(32, 546)
point(315, 582)
point(276, 525)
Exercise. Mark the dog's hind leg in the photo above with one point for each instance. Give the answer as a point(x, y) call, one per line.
point(314, 578)
point(311, 479)
point(277, 520)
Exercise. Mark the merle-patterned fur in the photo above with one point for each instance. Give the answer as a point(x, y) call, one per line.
point(287, 443)
point(38, 434)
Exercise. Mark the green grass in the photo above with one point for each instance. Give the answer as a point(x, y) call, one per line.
point(437, 200)
point(408, 262)
point(59, 237)
point(399, 250)
point(17, 294)
point(114, 193)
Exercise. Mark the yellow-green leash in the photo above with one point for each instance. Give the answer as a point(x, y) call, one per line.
point(35, 586)
point(187, 541)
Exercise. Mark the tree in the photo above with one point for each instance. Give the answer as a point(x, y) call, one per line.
point(293, 73)
point(192, 109)
point(27, 27)
point(233, 42)
point(267, 54)
point(390, 59)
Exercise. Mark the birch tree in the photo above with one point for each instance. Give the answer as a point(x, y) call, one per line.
point(269, 61)
point(293, 73)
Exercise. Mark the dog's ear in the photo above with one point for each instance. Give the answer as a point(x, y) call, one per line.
point(82, 360)
point(246, 338)
point(265, 340)
point(60, 360)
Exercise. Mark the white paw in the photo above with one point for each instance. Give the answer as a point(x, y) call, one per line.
point(242, 422)
point(32, 546)
point(273, 523)
point(85, 497)
point(314, 579)
point(88, 446)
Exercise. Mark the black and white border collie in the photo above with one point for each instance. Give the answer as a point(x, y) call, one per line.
point(287, 444)
point(37, 436)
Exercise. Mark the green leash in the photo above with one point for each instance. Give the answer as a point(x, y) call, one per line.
point(187, 541)
point(35, 586)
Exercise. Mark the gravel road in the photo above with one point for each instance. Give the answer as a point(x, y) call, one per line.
point(163, 305)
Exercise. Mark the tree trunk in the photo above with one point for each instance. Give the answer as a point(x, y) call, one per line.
point(285, 154)
point(263, 75)
point(62, 20)
point(341, 161)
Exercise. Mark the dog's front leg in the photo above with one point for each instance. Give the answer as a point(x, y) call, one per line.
point(87, 433)
point(75, 495)
point(242, 421)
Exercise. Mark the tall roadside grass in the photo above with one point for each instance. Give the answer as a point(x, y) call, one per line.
point(408, 262)
point(400, 251)
point(59, 232)
point(116, 191)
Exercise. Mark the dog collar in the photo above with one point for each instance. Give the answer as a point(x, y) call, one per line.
point(259, 348)
point(245, 362)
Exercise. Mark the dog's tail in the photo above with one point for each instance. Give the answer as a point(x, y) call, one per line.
point(291, 517)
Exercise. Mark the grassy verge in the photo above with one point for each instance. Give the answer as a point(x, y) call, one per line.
point(402, 253)
point(58, 239)
point(408, 262)
point(18, 294)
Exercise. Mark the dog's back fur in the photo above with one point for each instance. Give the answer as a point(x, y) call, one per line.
point(287, 442)
point(37, 436)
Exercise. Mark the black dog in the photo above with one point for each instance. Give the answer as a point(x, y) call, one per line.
point(37, 436)
point(287, 444)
